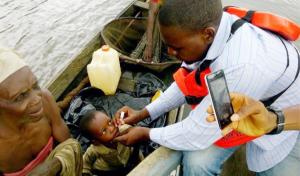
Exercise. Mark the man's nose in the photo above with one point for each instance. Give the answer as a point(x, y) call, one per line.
point(172, 52)
point(35, 97)
point(111, 128)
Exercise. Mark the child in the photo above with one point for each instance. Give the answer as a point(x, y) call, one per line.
point(103, 154)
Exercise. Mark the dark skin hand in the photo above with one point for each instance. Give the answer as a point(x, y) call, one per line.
point(252, 118)
point(135, 134)
point(131, 116)
point(28, 117)
point(259, 120)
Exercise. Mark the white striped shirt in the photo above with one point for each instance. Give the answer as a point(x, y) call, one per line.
point(254, 62)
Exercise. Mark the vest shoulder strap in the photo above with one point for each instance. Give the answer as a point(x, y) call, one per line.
point(271, 100)
point(265, 20)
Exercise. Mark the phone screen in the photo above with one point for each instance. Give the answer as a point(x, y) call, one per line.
point(220, 97)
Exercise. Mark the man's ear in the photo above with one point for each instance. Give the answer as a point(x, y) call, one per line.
point(209, 34)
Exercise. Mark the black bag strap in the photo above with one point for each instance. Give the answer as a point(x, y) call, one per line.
point(271, 100)
point(248, 18)
point(235, 26)
point(238, 23)
point(193, 100)
point(202, 67)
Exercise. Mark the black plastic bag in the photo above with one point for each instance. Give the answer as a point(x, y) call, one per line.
point(93, 99)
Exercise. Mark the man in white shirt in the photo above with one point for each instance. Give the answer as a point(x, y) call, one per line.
point(256, 63)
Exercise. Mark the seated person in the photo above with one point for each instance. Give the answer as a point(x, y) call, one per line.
point(103, 154)
point(30, 125)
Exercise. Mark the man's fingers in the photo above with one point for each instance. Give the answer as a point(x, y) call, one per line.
point(230, 127)
point(210, 118)
point(235, 117)
point(210, 110)
point(122, 138)
point(226, 130)
point(130, 120)
point(246, 111)
point(127, 121)
point(123, 109)
point(117, 118)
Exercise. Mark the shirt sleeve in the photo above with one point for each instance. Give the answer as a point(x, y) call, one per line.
point(195, 132)
point(169, 100)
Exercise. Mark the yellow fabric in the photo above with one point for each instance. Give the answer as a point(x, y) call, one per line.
point(100, 157)
point(157, 94)
point(69, 154)
point(10, 62)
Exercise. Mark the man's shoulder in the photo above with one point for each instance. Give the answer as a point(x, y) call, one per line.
point(49, 103)
point(47, 95)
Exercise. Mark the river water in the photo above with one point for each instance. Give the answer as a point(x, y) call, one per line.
point(49, 34)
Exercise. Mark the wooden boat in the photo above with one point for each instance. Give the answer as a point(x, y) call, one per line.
point(128, 37)
point(65, 94)
point(162, 161)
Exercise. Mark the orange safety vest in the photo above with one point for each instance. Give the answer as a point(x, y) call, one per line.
point(268, 21)
point(193, 86)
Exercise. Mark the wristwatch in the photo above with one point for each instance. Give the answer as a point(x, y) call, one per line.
point(280, 120)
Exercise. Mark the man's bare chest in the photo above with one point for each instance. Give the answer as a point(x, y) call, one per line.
point(19, 149)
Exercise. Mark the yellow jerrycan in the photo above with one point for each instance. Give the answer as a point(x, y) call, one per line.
point(104, 71)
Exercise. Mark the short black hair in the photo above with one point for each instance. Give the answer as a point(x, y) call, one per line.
point(84, 124)
point(190, 15)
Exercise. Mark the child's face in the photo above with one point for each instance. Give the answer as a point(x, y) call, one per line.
point(187, 46)
point(102, 128)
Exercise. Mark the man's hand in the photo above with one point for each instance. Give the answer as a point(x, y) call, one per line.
point(251, 117)
point(131, 116)
point(47, 168)
point(133, 135)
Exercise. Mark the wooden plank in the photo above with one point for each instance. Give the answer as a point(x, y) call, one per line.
point(143, 5)
point(161, 162)
point(59, 84)
point(172, 116)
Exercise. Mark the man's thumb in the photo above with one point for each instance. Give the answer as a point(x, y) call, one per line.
point(244, 112)
point(129, 120)
point(120, 138)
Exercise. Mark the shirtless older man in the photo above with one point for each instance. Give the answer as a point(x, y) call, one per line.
point(31, 125)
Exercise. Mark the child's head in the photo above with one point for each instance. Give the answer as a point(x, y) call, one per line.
point(97, 126)
point(188, 27)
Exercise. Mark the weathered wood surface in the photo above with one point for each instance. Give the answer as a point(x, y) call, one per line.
point(51, 34)
point(157, 164)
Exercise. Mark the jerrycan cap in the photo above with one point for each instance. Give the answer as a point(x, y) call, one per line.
point(105, 48)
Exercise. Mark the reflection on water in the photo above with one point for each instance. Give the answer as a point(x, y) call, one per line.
point(50, 33)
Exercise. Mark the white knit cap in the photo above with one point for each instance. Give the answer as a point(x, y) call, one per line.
point(10, 62)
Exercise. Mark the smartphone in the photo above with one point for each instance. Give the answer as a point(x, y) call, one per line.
point(221, 103)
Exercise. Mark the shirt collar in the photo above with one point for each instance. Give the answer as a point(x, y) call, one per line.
point(219, 42)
